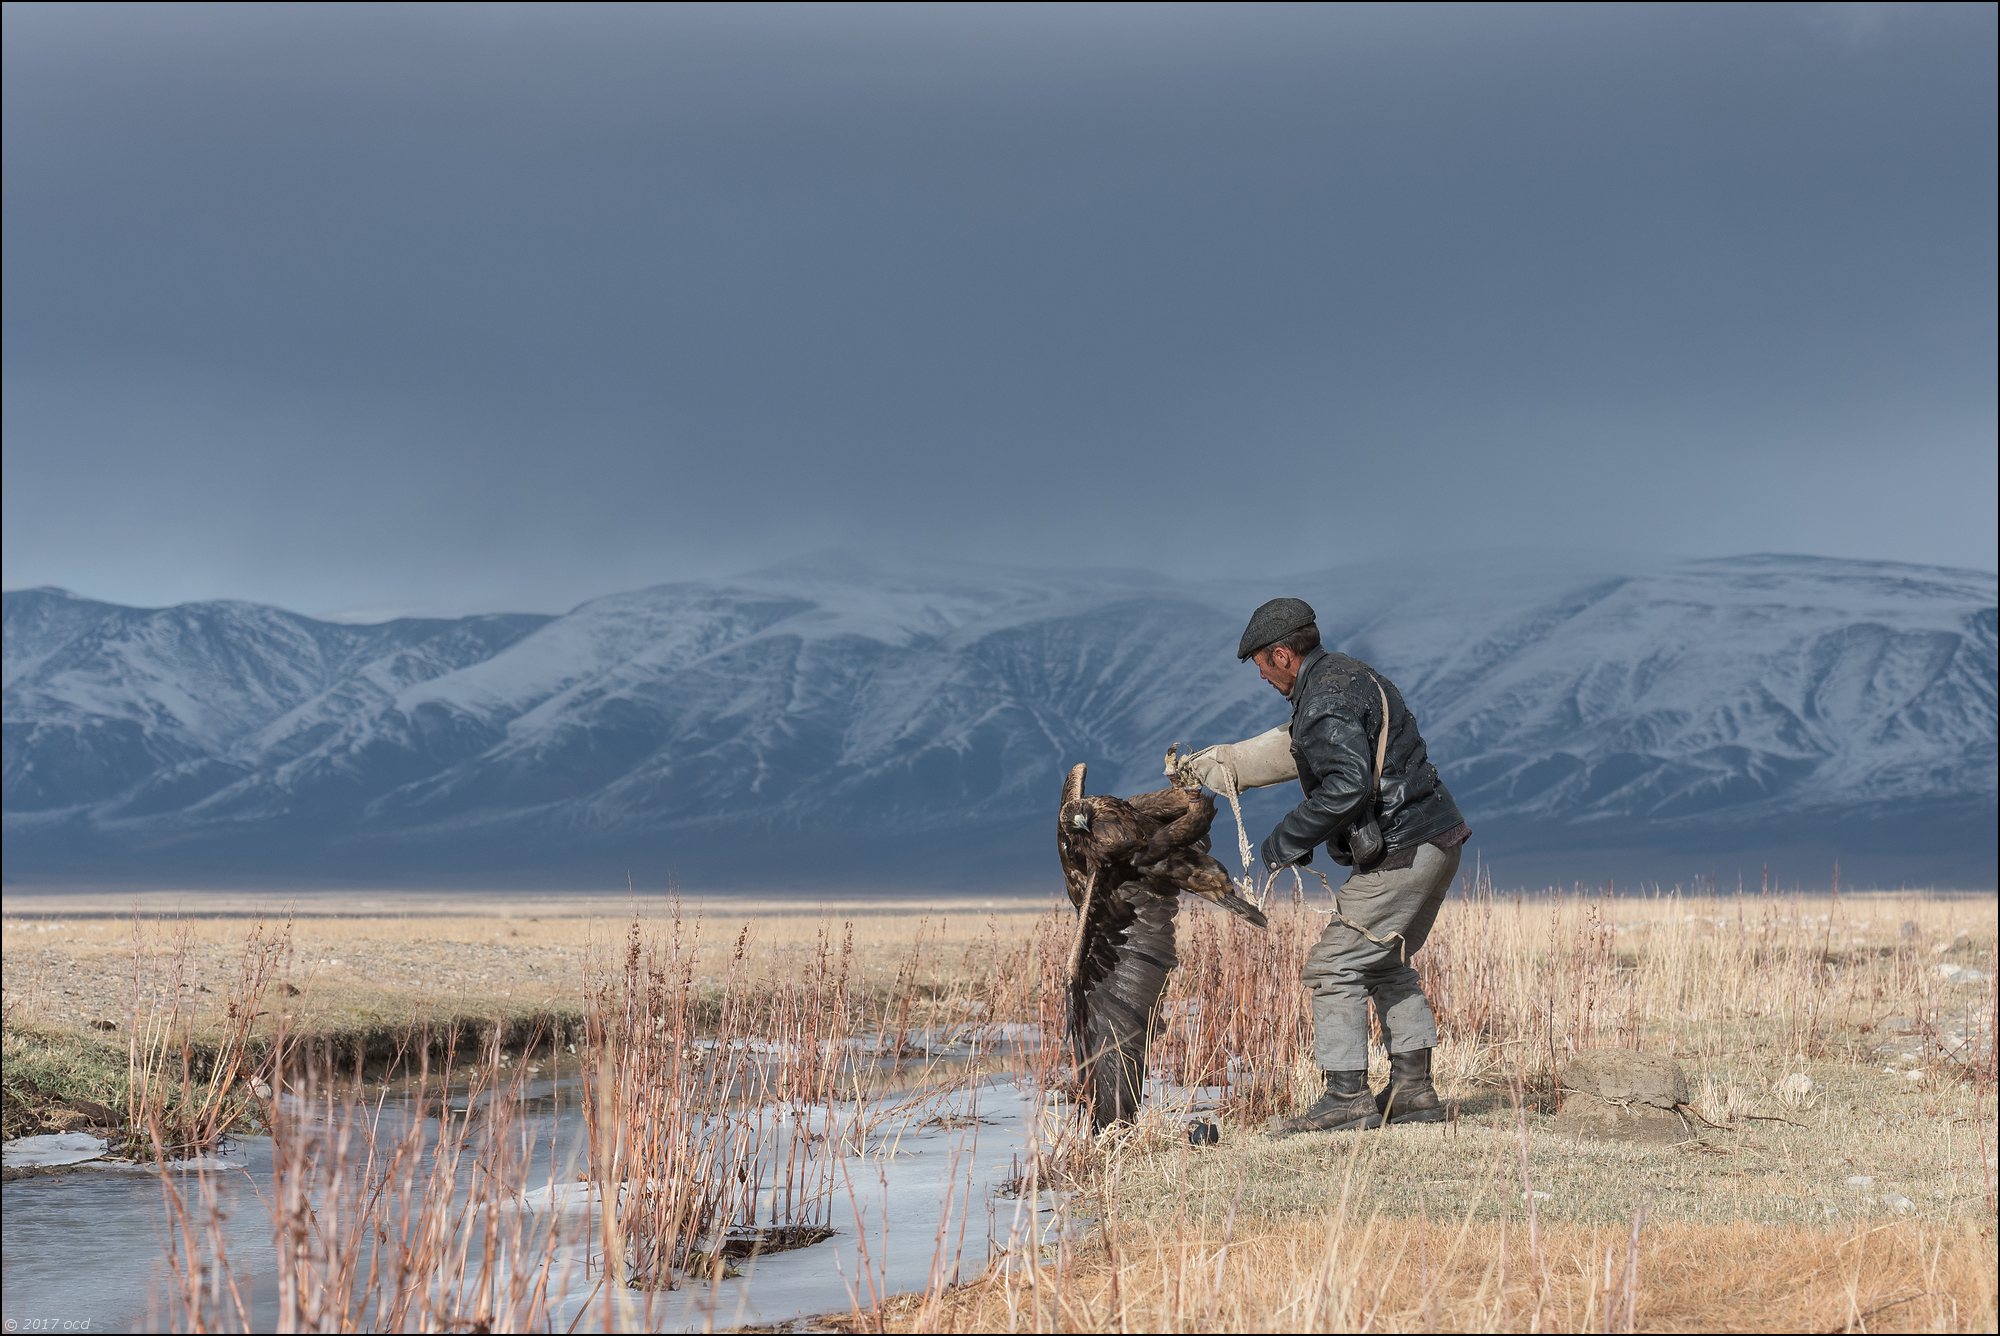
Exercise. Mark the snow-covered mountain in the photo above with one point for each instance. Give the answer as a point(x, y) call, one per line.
point(848, 720)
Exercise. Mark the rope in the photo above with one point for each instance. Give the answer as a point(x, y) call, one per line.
point(1403, 943)
point(1261, 897)
point(1248, 882)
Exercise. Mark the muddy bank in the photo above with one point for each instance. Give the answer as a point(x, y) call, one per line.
point(65, 1082)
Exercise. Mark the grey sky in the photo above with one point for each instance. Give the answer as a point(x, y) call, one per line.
point(456, 309)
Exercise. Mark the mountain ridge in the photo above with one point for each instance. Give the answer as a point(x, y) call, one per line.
point(864, 718)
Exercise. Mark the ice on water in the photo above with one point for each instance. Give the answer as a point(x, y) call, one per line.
point(47, 1151)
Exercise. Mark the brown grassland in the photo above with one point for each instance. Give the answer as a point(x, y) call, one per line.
point(1838, 1174)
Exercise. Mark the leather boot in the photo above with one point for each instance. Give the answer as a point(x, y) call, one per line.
point(1410, 1097)
point(1345, 1107)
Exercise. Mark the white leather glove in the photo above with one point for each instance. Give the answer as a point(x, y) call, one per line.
point(1253, 763)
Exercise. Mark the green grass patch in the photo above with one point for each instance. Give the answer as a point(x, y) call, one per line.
point(43, 1073)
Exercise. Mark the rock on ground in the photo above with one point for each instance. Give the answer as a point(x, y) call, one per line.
point(1622, 1076)
point(1624, 1095)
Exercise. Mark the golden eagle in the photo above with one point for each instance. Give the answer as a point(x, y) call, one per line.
point(1126, 862)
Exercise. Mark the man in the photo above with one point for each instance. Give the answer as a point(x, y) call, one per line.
point(1407, 831)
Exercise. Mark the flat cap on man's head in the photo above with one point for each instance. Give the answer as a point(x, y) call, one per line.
point(1272, 622)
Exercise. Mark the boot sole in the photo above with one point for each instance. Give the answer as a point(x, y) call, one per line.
point(1421, 1116)
point(1365, 1123)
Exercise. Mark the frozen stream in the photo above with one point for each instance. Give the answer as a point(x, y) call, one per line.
point(83, 1250)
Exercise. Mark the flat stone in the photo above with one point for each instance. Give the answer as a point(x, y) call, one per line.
point(1623, 1076)
point(1796, 1090)
point(1588, 1116)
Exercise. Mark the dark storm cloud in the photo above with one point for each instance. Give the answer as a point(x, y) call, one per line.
point(373, 307)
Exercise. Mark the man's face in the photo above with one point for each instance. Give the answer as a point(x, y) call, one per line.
point(1278, 666)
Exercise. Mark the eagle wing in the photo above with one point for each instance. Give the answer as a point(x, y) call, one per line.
point(1161, 805)
point(1184, 816)
point(1119, 833)
point(1124, 955)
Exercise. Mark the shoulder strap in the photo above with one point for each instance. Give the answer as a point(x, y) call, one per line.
point(1381, 737)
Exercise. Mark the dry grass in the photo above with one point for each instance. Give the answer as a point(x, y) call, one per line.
point(1392, 1274)
point(185, 1095)
point(381, 1220)
point(726, 1080)
point(364, 971)
point(1883, 1004)
point(373, 960)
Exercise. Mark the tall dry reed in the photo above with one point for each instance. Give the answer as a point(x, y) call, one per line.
point(722, 1111)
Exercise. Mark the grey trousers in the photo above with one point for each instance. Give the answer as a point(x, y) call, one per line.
point(1346, 969)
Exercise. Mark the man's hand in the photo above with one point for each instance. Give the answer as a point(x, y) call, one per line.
point(1275, 856)
point(1253, 763)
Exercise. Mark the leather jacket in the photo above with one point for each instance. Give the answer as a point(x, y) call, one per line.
point(1335, 716)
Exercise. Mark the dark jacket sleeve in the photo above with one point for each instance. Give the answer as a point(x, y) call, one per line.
point(1340, 752)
